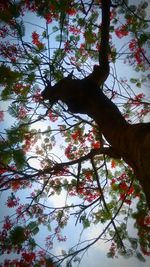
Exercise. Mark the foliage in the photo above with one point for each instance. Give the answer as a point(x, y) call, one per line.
point(47, 152)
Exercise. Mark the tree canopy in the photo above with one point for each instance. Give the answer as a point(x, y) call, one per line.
point(75, 136)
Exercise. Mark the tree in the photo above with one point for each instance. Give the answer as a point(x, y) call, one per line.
point(104, 167)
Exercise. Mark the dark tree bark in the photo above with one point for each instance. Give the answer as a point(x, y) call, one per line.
point(129, 141)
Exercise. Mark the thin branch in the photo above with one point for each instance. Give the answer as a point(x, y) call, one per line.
point(131, 11)
point(105, 204)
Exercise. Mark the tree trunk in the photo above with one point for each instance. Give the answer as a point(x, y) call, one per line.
point(129, 141)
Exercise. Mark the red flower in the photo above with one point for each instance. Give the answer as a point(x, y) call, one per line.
point(113, 181)
point(96, 145)
point(68, 151)
point(36, 41)
point(121, 31)
point(22, 112)
point(37, 96)
point(113, 164)
point(12, 201)
point(35, 38)
point(123, 186)
point(71, 11)
point(74, 30)
point(29, 257)
point(48, 18)
point(138, 55)
point(7, 223)
point(131, 190)
point(132, 45)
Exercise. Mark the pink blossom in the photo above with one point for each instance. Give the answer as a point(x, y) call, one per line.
point(22, 112)
point(12, 201)
point(7, 223)
point(37, 96)
point(53, 117)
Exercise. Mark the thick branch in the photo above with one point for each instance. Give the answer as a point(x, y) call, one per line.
point(104, 45)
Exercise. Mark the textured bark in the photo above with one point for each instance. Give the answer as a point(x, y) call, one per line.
point(131, 142)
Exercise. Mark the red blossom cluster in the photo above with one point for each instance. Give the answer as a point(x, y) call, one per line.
point(113, 164)
point(3, 31)
point(49, 18)
point(29, 141)
point(7, 225)
point(86, 188)
point(143, 226)
point(71, 11)
point(36, 41)
point(122, 31)
point(19, 184)
point(67, 46)
point(123, 186)
point(137, 52)
point(31, 5)
point(81, 142)
point(10, 51)
point(74, 30)
point(37, 96)
point(137, 100)
point(22, 112)
point(86, 191)
point(20, 88)
point(27, 259)
point(12, 201)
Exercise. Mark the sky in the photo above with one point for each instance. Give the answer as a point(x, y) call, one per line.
point(96, 256)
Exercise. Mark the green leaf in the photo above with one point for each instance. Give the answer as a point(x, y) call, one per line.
point(19, 158)
point(6, 93)
point(49, 227)
point(32, 243)
point(138, 85)
point(17, 235)
point(143, 38)
point(33, 227)
point(55, 29)
point(140, 256)
point(20, 29)
point(134, 242)
point(13, 110)
point(133, 80)
point(6, 156)
point(85, 221)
